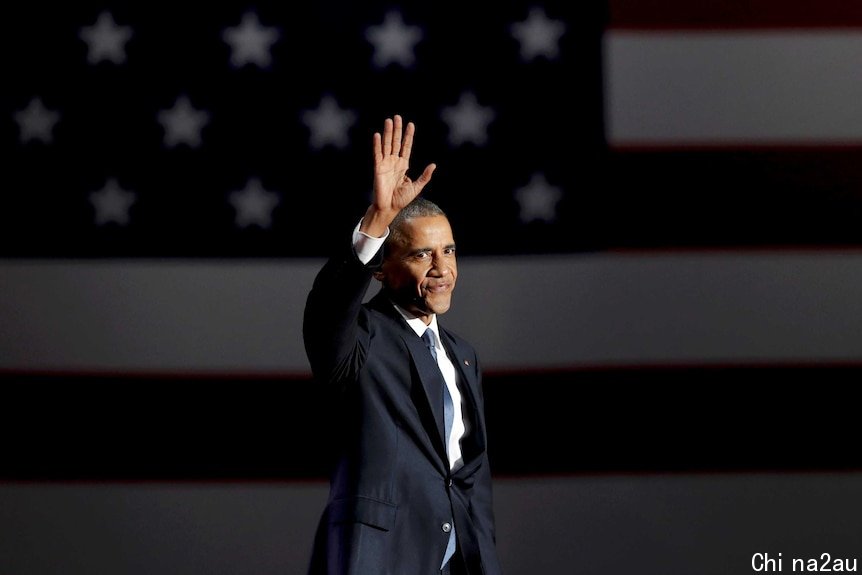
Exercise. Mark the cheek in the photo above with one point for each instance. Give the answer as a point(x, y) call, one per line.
point(418, 275)
point(411, 279)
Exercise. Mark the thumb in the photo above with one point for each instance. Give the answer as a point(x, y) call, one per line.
point(423, 180)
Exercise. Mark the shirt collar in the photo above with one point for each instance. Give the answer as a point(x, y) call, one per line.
point(417, 325)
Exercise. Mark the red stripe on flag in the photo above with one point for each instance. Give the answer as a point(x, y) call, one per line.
point(728, 14)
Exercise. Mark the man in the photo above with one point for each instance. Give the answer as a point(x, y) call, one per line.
point(410, 491)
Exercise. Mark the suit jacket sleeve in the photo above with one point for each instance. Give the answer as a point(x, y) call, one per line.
point(333, 333)
point(483, 501)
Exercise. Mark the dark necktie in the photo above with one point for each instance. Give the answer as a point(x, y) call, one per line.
point(448, 406)
point(448, 418)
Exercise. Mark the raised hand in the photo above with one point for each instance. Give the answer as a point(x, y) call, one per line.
point(393, 189)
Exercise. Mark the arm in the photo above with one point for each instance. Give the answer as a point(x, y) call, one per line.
point(483, 499)
point(482, 506)
point(334, 342)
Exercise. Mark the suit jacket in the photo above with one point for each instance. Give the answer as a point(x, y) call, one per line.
point(392, 495)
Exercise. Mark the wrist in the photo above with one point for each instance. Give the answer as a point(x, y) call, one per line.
point(376, 222)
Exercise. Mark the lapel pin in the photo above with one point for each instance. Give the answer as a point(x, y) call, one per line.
point(466, 362)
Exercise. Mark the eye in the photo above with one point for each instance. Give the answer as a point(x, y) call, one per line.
point(449, 251)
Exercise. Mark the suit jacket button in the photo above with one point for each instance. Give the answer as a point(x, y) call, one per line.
point(446, 527)
point(449, 482)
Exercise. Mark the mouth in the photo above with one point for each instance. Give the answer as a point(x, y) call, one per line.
point(437, 288)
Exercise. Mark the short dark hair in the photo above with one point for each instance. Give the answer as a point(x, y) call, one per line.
point(418, 208)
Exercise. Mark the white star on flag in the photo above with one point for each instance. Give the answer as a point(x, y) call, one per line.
point(254, 204)
point(112, 203)
point(393, 41)
point(250, 42)
point(36, 122)
point(328, 124)
point(106, 40)
point(468, 121)
point(183, 123)
point(538, 199)
point(538, 35)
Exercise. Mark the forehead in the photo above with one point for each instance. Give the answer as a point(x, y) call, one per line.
point(426, 231)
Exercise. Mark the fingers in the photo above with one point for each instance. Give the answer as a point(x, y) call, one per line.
point(377, 147)
point(396, 140)
point(396, 136)
point(407, 144)
point(387, 136)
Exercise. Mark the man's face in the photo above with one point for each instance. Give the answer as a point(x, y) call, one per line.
point(419, 270)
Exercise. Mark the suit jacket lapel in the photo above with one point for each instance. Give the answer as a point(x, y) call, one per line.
point(432, 382)
point(474, 442)
point(461, 361)
point(429, 403)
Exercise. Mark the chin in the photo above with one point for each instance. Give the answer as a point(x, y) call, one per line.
point(426, 305)
point(440, 307)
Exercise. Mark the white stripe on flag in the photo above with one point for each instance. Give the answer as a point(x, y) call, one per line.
point(522, 313)
point(733, 88)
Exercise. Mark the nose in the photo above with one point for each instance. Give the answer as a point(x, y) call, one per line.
point(439, 268)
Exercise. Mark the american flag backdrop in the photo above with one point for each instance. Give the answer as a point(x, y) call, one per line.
point(166, 130)
point(695, 168)
point(644, 194)
point(657, 208)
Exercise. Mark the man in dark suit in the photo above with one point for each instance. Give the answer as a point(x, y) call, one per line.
point(410, 491)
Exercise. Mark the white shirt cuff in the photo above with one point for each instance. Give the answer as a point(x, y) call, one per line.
point(366, 246)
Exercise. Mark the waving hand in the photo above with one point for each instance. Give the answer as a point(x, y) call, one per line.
point(393, 188)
